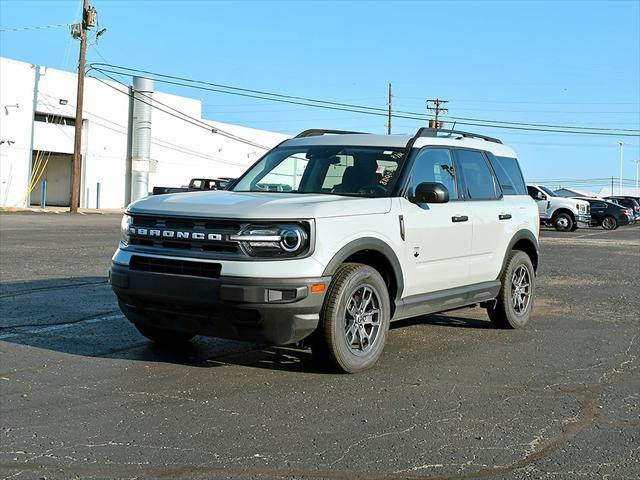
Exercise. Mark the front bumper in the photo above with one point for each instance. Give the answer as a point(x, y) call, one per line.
point(272, 310)
point(583, 221)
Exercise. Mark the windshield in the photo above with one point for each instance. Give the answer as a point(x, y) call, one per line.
point(333, 169)
point(548, 191)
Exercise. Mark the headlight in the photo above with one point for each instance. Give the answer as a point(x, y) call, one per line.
point(124, 229)
point(283, 240)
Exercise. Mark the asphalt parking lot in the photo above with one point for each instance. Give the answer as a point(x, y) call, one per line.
point(83, 395)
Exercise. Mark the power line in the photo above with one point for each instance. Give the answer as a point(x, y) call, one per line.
point(202, 123)
point(187, 118)
point(37, 27)
point(531, 102)
point(546, 125)
point(421, 119)
point(325, 102)
point(239, 89)
point(122, 129)
point(219, 88)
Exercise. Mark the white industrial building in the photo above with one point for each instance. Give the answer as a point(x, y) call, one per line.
point(37, 118)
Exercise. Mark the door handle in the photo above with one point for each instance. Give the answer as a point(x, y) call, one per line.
point(459, 218)
point(504, 216)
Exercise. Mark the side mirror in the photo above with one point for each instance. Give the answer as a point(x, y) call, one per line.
point(430, 192)
point(541, 196)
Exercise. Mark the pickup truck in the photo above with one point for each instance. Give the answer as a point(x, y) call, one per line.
point(564, 214)
point(196, 185)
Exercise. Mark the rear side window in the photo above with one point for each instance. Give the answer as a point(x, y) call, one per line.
point(509, 175)
point(479, 181)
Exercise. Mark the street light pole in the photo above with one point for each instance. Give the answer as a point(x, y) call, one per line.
point(621, 164)
point(637, 162)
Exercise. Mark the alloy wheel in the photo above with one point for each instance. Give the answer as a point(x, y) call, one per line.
point(362, 319)
point(608, 223)
point(520, 290)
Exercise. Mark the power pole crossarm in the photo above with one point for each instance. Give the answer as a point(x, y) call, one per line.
point(437, 106)
point(88, 21)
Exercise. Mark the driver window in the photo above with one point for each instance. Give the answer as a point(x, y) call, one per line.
point(286, 176)
point(434, 165)
point(338, 165)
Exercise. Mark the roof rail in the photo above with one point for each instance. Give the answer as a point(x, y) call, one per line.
point(433, 132)
point(316, 132)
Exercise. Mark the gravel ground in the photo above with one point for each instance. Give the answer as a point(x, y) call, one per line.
point(83, 395)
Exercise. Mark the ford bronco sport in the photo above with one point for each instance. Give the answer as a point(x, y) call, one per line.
point(328, 238)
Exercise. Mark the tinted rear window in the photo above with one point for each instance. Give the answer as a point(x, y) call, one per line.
point(477, 176)
point(509, 175)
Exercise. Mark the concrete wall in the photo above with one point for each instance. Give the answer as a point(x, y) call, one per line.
point(16, 88)
point(180, 150)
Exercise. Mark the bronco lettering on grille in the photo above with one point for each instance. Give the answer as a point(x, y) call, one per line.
point(175, 234)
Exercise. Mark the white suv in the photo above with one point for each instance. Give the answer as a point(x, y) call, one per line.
point(329, 237)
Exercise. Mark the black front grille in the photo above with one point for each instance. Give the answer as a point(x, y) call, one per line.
point(175, 267)
point(189, 226)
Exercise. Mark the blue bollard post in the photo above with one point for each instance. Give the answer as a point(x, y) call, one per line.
point(43, 195)
point(98, 195)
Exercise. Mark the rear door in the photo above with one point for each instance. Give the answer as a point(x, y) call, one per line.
point(492, 216)
point(598, 211)
point(437, 235)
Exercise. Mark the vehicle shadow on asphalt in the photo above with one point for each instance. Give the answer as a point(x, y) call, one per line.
point(442, 320)
point(80, 316)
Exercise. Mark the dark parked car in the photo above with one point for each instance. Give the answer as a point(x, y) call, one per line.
point(628, 202)
point(607, 214)
point(196, 185)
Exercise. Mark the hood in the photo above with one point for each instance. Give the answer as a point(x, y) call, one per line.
point(258, 205)
point(571, 201)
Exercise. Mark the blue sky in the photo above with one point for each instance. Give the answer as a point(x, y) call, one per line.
point(567, 63)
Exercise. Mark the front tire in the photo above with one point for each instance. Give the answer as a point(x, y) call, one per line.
point(354, 319)
point(563, 222)
point(512, 308)
point(609, 223)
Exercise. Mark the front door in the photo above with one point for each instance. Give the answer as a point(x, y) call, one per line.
point(437, 235)
point(541, 200)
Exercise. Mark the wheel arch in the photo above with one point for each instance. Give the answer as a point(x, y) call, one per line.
point(525, 241)
point(560, 210)
point(377, 254)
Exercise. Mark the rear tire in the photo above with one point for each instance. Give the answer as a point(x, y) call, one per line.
point(563, 222)
point(512, 308)
point(162, 336)
point(609, 223)
point(354, 319)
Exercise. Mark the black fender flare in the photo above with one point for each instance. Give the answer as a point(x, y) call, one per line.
point(523, 234)
point(372, 244)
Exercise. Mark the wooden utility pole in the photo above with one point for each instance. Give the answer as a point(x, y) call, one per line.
point(389, 117)
point(88, 21)
point(436, 105)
